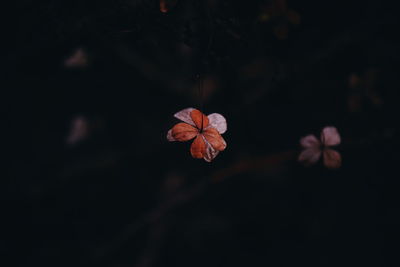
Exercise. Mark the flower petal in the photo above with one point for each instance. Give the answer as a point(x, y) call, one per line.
point(170, 137)
point(332, 159)
point(184, 115)
point(199, 119)
point(214, 138)
point(310, 141)
point(330, 136)
point(218, 122)
point(183, 132)
point(309, 156)
point(211, 153)
point(198, 147)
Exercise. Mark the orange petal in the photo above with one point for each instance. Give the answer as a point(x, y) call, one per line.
point(198, 148)
point(214, 138)
point(332, 159)
point(183, 132)
point(199, 119)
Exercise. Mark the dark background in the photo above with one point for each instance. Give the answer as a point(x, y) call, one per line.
point(124, 196)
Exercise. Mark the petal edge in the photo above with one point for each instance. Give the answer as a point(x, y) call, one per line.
point(184, 115)
point(211, 153)
point(218, 122)
point(169, 136)
point(214, 138)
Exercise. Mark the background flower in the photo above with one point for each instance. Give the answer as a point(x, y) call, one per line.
point(314, 148)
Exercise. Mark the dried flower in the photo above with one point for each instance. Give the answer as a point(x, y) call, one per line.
point(78, 59)
point(314, 148)
point(206, 131)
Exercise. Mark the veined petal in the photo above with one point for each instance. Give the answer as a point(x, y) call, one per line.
point(198, 147)
point(170, 137)
point(330, 136)
point(332, 159)
point(214, 138)
point(309, 156)
point(218, 122)
point(184, 115)
point(183, 132)
point(211, 153)
point(310, 141)
point(200, 120)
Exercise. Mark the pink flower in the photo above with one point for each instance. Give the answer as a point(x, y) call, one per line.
point(79, 130)
point(78, 59)
point(314, 148)
point(205, 130)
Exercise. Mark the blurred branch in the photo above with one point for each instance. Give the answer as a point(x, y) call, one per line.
point(269, 163)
